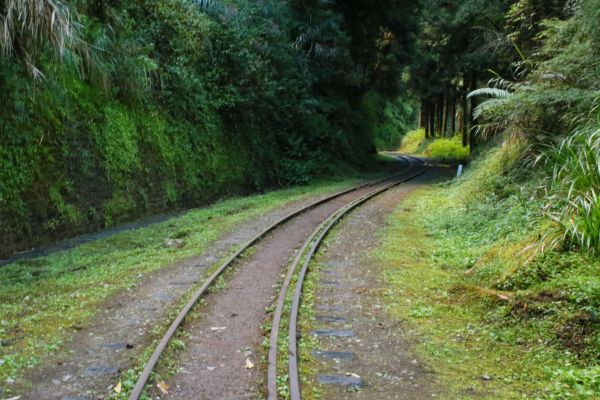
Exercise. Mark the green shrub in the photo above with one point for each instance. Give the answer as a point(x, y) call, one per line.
point(444, 149)
point(411, 142)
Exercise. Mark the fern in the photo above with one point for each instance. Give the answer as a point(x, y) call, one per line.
point(487, 105)
point(323, 53)
point(492, 92)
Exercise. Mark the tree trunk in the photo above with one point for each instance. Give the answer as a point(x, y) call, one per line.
point(426, 121)
point(435, 117)
point(471, 109)
point(432, 120)
point(445, 114)
point(426, 115)
point(453, 126)
point(439, 114)
point(422, 116)
point(465, 119)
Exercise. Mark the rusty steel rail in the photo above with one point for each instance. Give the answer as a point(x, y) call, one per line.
point(162, 345)
point(417, 168)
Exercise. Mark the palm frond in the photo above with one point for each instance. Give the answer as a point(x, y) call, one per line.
point(323, 53)
point(28, 27)
point(317, 40)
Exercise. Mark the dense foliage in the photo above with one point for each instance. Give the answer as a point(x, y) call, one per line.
point(552, 103)
point(113, 109)
point(525, 69)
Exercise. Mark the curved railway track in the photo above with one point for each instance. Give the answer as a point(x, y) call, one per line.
point(415, 168)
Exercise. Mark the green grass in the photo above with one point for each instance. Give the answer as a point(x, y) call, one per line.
point(441, 149)
point(494, 317)
point(43, 301)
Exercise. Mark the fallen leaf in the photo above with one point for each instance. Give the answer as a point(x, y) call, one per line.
point(118, 388)
point(249, 364)
point(14, 398)
point(164, 388)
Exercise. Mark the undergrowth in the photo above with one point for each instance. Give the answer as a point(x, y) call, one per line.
point(494, 315)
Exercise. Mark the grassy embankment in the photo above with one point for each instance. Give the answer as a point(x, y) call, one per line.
point(492, 314)
point(44, 300)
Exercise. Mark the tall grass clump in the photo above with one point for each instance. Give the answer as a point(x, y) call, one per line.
point(574, 187)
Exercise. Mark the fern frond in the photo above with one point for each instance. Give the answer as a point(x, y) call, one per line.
point(486, 106)
point(553, 76)
point(492, 92)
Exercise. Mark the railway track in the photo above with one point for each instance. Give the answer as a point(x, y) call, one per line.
point(304, 256)
point(414, 168)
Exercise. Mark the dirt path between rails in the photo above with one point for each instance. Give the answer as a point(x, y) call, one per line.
point(375, 359)
point(108, 344)
point(229, 331)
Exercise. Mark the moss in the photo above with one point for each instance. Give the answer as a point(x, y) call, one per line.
point(117, 141)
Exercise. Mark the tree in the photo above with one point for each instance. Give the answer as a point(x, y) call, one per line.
point(458, 43)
